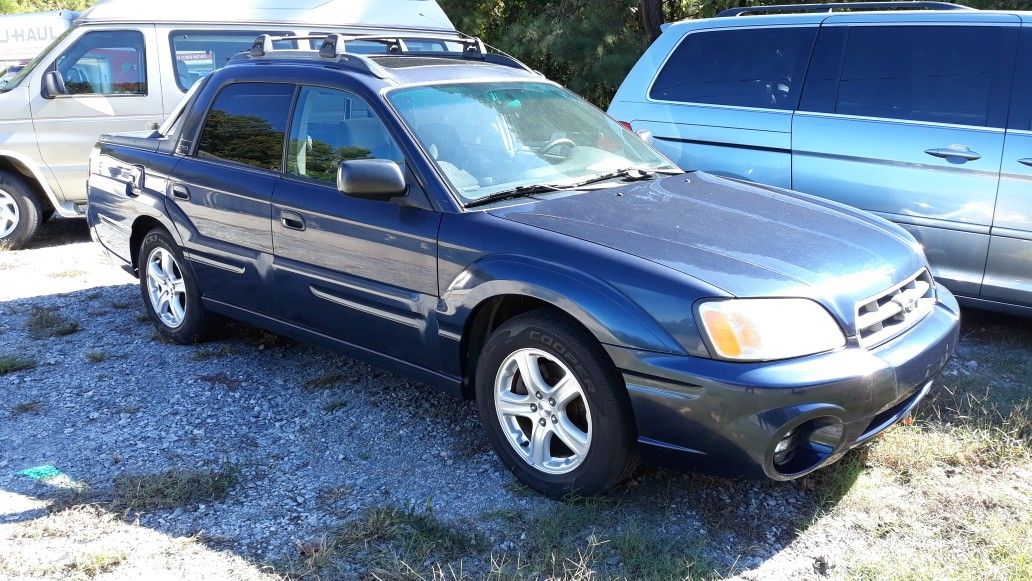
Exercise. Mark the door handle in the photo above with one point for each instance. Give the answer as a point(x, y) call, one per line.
point(1026, 161)
point(292, 220)
point(955, 152)
point(180, 192)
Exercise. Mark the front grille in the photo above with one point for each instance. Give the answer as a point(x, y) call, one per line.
point(888, 314)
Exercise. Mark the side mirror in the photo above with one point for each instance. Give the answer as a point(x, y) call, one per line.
point(371, 179)
point(53, 85)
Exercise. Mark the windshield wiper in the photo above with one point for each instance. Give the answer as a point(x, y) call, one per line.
point(517, 192)
point(630, 173)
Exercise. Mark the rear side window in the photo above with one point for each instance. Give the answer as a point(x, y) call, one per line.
point(246, 125)
point(1021, 102)
point(105, 63)
point(760, 68)
point(941, 74)
point(196, 53)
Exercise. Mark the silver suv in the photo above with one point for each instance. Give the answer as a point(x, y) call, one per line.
point(920, 116)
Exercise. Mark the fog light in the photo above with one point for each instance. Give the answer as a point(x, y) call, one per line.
point(785, 450)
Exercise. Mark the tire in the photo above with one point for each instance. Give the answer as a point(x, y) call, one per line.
point(532, 435)
point(21, 212)
point(169, 290)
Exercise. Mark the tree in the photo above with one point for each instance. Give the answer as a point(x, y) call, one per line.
point(20, 6)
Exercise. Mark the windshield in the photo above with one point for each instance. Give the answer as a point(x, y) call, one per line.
point(8, 83)
point(488, 138)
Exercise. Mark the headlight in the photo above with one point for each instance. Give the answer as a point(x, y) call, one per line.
point(767, 329)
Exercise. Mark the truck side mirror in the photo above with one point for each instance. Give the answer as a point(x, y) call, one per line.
point(53, 85)
point(371, 179)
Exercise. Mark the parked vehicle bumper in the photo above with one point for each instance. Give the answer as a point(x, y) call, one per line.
point(728, 418)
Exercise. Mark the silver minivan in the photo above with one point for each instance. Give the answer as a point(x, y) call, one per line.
point(126, 64)
point(920, 116)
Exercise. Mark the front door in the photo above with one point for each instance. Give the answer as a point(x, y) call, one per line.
point(113, 86)
point(221, 194)
point(361, 271)
point(909, 123)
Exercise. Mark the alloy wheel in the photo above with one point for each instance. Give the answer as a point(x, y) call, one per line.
point(9, 214)
point(543, 411)
point(166, 287)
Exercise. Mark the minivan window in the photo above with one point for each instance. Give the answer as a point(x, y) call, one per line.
point(760, 68)
point(246, 125)
point(108, 62)
point(196, 53)
point(331, 126)
point(941, 74)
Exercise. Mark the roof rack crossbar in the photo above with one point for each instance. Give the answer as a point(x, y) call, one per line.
point(335, 46)
point(833, 6)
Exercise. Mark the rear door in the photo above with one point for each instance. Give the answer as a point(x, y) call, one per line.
point(362, 271)
point(113, 82)
point(1008, 273)
point(221, 193)
point(907, 120)
point(723, 101)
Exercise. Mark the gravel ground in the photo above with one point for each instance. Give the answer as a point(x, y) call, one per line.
point(310, 442)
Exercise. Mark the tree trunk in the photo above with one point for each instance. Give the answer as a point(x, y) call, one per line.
point(650, 15)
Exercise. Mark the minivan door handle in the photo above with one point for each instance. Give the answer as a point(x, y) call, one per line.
point(180, 192)
point(954, 152)
point(292, 220)
point(1026, 161)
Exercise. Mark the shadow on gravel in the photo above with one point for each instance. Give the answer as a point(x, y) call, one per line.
point(58, 232)
point(316, 444)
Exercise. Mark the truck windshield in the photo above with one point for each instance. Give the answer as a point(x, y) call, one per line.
point(488, 138)
point(8, 83)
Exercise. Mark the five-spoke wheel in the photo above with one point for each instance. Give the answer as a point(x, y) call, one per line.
point(554, 406)
point(543, 411)
point(166, 287)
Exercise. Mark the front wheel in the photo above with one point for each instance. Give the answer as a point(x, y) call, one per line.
point(554, 406)
point(170, 291)
point(21, 212)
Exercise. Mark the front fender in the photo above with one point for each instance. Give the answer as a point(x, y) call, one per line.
point(609, 315)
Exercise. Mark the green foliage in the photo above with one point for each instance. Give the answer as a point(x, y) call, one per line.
point(20, 6)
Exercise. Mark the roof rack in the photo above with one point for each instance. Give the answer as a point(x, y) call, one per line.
point(335, 46)
point(833, 6)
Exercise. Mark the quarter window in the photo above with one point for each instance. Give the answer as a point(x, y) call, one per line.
point(246, 125)
point(105, 63)
point(331, 126)
point(197, 53)
point(942, 74)
point(760, 68)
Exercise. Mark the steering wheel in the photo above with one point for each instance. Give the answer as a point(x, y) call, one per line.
point(555, 143)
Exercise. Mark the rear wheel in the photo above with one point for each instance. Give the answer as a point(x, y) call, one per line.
point(555, 408)
point(21, 212)
point(170, 290)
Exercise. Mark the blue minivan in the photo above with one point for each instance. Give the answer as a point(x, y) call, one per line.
point(919, 116)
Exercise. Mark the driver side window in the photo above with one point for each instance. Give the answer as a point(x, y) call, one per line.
point(105, 63)
point(331, 126)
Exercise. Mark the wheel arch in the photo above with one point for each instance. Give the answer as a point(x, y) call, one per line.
point(493, 291)
point(19, 164)
point(142, 225)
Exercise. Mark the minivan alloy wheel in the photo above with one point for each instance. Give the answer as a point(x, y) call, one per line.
point(9, 214)
point(166, 288)
point(543, 411)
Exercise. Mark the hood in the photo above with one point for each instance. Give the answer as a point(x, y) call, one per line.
point(748, 240)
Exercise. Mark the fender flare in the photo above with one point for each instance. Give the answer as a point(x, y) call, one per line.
point(609, 315)
point(62, 208)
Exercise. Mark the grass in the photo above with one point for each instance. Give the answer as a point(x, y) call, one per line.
point(222, 379)
point(122, 305)
point(13, 363)
point(44, 323)
point(96, 356)
point(93, 564)
point(69, 273)
point(171, 489)
point(27, 407)
point(224, 350)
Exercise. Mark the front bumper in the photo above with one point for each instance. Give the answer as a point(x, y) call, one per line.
point(728, 418)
